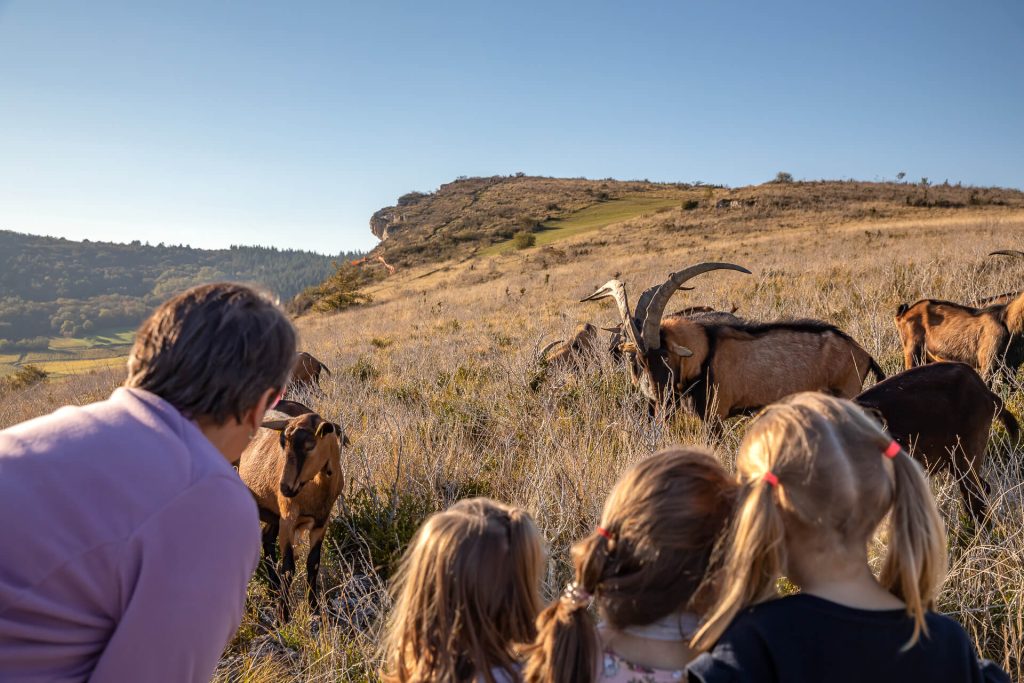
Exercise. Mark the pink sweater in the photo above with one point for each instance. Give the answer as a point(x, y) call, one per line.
point(126, 545)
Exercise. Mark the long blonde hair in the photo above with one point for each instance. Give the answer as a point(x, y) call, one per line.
point(833, 483)
point(647, 559)
point(466, 594)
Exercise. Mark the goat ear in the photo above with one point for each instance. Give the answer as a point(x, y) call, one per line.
point(341, 434)
point(325, 428)
point(276, 425)
point(680, 351)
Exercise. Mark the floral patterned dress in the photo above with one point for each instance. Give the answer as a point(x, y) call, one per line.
point(615, 669)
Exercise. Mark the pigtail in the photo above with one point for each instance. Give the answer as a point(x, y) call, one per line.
point(753, 561)
point(568, 646)
point(915, 564)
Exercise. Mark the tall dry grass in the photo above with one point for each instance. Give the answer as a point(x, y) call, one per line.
point(432, 383)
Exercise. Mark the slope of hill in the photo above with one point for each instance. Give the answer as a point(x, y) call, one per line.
point(471, 214)
point(51, 286)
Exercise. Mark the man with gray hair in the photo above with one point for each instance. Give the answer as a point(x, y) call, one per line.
point(128, 539)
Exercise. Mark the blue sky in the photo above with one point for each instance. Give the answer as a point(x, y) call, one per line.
point(212, 123)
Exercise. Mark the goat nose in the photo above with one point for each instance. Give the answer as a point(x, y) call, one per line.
point(288, 491)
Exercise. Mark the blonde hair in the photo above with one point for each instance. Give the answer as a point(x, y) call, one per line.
point(466, 593)
point(647, 560)
point(833, 484)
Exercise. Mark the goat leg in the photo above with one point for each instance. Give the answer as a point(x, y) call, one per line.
point(316, 542)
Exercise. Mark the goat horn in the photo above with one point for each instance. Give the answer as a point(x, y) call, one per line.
point(657, 298)
point(544, 351)
point(614, 289)
point(1007, 252)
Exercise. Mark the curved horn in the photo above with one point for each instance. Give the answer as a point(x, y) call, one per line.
point(1007, 252)
point(614, 289)
point(659, 298)
point(544, 351)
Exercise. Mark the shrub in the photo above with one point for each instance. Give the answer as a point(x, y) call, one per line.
point(524, 240)
point(23, 378)
point(783, 177)
point(339, 291)
point(690, 204)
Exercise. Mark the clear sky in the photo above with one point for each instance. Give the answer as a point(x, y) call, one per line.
point(289, 123)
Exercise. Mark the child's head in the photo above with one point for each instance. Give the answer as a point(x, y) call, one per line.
point(818, 472)
point(466, 593)
point(646, 560)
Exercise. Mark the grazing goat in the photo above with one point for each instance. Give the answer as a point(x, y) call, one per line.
point(743, 365)
point(560, 353)
point(293, 469)
point(942, 414)
point(986, 338)
point(306, 370)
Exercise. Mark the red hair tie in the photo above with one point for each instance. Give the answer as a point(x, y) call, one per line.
point(601, 531)
point(771, 478)
point(892, 450)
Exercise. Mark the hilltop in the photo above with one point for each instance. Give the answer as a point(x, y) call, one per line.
point(474, 216)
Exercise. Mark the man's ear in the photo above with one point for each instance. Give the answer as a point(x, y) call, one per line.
point(254, 417)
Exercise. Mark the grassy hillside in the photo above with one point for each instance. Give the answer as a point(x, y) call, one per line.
point(432, 382)
point(467, 216)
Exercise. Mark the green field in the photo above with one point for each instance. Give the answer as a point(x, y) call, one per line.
point(67, 356)
point(591, 218)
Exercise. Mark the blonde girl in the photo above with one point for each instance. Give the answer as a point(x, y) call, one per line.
point(644, 567)
point(466, 595)
point(818, 476)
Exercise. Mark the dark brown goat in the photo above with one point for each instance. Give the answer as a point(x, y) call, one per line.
point(942, 414)
point(293, 469)
point(714, 355)
point(306, 370)
point(986, 338)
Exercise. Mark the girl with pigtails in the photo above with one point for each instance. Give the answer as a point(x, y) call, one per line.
point(818, 475)
point(644, 569)
point(465, 597)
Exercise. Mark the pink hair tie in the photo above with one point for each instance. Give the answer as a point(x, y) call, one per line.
point(601, 531)
point(771, 478)
point(892, 450)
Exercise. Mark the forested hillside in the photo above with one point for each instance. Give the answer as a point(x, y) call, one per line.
point(51, 286)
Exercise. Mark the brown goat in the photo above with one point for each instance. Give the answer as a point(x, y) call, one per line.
point(985, 338)
point(293, 469)
point(933, 330)
point(743, 366)
point(306, 370)
point(942, 414)
point(560, 353)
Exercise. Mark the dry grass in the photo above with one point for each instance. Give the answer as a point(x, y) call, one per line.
point(432, 382)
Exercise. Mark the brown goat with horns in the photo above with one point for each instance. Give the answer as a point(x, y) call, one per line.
point(740, 365)
point(983, 337)
point(293, 469)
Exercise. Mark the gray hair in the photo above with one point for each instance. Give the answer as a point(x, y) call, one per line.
point(213, 350)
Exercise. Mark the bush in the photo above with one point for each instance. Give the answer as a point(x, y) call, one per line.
point(783, 177)
point(690, 204)
point(23, 378)
point(340, 290)
point(524, 240)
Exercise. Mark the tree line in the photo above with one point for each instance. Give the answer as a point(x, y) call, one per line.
point(55, 286)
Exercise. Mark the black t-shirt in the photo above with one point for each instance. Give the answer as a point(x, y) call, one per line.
point(805, 638)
